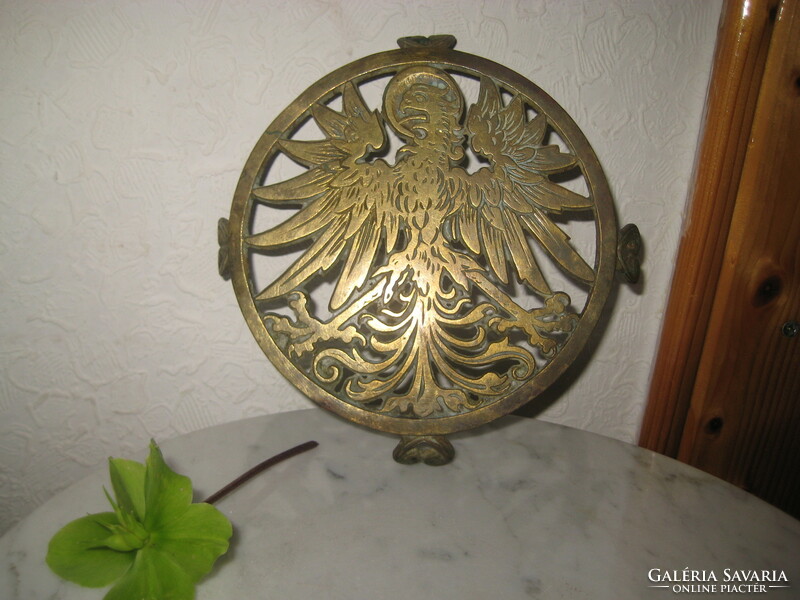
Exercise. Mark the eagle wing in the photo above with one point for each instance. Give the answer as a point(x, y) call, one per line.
point(342, 200)
point(497, 207)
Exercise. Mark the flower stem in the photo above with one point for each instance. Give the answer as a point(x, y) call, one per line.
point(262, 466)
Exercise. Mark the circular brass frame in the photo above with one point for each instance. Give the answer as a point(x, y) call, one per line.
point(452, 61)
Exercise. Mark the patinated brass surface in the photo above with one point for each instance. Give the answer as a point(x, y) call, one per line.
point(420, 255)
point(629, 253)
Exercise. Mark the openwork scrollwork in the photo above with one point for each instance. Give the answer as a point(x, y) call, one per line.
point(422, 251)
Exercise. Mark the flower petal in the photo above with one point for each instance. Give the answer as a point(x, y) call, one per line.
point(127, 479)
point(75, 553)
point(195, 540)
point(167, 494)
point(153, 576)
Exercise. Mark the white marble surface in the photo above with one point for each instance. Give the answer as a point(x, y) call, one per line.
point(527, 510)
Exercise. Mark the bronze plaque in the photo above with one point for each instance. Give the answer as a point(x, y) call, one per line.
point(418, 236)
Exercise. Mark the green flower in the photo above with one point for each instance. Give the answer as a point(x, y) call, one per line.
point(155, 545)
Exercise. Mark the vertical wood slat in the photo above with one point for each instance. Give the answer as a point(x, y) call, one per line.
point(743, 423)
point(742, 45)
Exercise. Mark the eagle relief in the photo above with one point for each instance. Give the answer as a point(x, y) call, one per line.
point(419, 215)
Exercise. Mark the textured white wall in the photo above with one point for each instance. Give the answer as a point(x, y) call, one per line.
point(123, 127)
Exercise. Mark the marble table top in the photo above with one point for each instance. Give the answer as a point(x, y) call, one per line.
point(527, 510)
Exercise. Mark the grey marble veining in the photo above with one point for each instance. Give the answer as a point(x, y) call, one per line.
point(527, 510)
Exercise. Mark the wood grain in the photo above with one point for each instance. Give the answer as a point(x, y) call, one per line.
point(743, 423)
point(740, 55)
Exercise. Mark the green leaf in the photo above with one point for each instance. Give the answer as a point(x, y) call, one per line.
point(76, 554)
point(127, 479)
